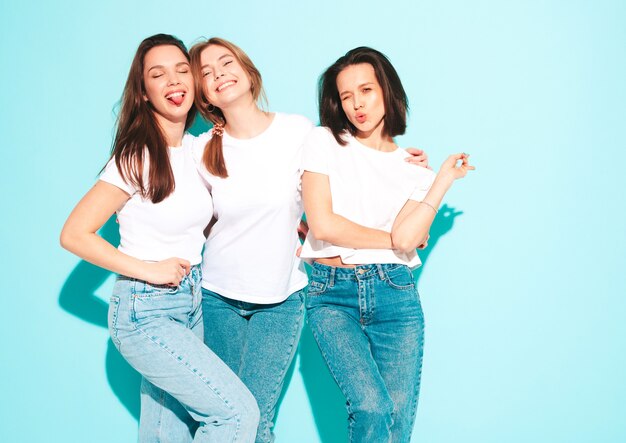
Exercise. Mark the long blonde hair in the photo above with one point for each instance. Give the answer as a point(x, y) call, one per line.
point(213, 157)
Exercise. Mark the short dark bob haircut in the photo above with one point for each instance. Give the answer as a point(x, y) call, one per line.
point(395, 99)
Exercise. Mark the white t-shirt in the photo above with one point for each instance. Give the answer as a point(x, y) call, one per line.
point(368, 187)
point(173, 227)
point(250, 254)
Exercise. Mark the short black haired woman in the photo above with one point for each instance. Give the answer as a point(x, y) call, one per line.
point(368, 211)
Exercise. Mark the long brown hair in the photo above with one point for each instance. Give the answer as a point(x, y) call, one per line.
point(213, 157)
point(138, 131)
point(395, 99)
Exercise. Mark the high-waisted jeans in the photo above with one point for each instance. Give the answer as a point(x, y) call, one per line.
point(159, 329)
point(258, 342)
point(369, 326)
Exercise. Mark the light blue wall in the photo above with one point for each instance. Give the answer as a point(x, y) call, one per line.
point(524, 295)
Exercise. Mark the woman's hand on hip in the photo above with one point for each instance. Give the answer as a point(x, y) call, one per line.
point(167, 272)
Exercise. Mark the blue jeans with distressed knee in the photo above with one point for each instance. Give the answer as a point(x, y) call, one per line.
point(369, 326)
point(159, 329)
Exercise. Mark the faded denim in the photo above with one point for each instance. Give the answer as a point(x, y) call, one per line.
point(258, 342)
point(369, 326)
point(158, 330)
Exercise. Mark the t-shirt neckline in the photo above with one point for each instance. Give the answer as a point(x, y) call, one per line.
point(356, 142)
point(244, 141)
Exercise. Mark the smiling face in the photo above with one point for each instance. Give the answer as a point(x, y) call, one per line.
point(361, 98)
point(168, 83)
point(224, 80)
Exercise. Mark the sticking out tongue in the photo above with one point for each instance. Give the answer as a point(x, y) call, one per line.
point(177, 99)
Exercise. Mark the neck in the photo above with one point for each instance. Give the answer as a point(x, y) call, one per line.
point(375, 139)
point(246, 120)
point(173, 131)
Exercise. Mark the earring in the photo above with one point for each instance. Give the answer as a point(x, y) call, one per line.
point(210, 108)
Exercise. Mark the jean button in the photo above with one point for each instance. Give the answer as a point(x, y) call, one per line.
point(361, 271)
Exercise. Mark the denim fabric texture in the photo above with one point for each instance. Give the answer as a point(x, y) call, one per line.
point(369, 326)
point(158, 330)
point(258, 342)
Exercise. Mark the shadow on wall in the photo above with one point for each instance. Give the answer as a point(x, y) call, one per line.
point(327, 401)
point(78, 298)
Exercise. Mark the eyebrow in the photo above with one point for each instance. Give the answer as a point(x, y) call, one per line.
point(358, 87)
point(163, 67)
point(222, 57)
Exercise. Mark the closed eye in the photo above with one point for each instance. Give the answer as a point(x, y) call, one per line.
point(204, 74)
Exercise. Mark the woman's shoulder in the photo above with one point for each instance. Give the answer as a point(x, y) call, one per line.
point(196, 143)
point(322, 134)
point(295, 122)
point(414, 170)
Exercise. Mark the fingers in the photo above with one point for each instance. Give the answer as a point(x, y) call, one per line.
point(424, 243)
point(414, 151)
point(185, 265)
point(466, 164)
point(416, 160)
point(303, 230)
point(418, 157)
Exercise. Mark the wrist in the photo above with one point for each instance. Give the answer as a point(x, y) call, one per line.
point(444, 179)
point(142, 271)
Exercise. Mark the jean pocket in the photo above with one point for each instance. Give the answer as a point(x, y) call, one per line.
point(399, 277)
point(162, 301)
point(144, 289)
point(316, 288)
point(114, 310)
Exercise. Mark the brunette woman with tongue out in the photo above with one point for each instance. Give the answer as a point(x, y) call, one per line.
point(155, 315)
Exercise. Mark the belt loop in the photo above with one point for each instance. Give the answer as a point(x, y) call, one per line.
point(381, 273)
point(331, 278)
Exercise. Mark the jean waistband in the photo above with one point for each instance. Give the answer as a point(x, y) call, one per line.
point(357, 272)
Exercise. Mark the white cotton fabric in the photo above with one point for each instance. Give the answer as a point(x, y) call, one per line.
point(250, 254)
point(173, 227)
point(368, 187)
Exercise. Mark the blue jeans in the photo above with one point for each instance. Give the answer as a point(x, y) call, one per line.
point(258, 342)
point(158, 330)
point(369, 326)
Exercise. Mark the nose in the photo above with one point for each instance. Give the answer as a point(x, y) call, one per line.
point(218, 74)
point(173, 79)
point(357, 104)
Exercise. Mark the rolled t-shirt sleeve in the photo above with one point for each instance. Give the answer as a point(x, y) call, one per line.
point(112, 175)
point(316, 152)
point(425, 179)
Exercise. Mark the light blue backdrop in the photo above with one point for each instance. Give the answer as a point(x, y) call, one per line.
point(523, 286)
